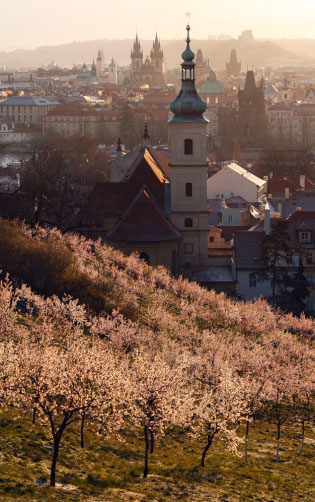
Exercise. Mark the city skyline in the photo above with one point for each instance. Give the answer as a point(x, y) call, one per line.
point(75, 21)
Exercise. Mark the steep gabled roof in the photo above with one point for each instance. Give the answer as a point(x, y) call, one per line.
point(300, 221)
point(143, 221)
point(154, 160)
point(246, 174)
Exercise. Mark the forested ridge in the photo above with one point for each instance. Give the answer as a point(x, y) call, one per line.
point(123, 383)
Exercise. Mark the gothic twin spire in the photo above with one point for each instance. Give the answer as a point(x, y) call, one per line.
point(156, 52)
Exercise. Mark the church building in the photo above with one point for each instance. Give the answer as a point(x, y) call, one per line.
point(156, 203)
point(150, 71)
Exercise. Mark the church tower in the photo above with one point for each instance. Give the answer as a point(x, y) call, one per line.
point(136, 61)
point(157, 61)
point(252, 115)
point(136, 54)
point(188, 141)
point(100, 64)
point(233, 67)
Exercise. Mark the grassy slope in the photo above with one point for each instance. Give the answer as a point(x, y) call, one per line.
point(111, 470)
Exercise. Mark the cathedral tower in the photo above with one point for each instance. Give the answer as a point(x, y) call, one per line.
point(136, 54)
point(100, 64)
point(188, 139)
point(157, 61)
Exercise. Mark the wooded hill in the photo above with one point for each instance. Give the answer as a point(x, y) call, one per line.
point(258, 53)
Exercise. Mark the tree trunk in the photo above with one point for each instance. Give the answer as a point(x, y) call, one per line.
point(151, 441)
point(246, 442)
point(146, 453)
point(278, 441)
point(204, 453)
point(303, 438)
point(82, 431)
point(54, 461)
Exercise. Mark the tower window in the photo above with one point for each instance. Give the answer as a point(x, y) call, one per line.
point(188, 222)
point(188, 147)
point(188, 189)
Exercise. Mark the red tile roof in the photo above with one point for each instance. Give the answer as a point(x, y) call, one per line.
point(277, 184)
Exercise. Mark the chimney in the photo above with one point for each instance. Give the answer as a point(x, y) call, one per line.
point(267, 222)
point(302, 181)
point(280, 208)
point(270, 175)
point(287, 193)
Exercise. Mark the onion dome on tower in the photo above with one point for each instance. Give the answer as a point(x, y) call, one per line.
point(188, 106)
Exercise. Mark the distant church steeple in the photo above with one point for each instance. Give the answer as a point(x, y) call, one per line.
point(146, 138)
point(156, 52)
point(233, 67)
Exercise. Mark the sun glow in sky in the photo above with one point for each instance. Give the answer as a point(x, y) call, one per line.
point(30, 23)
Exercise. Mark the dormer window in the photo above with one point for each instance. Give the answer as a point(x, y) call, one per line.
point(188, 146)
point(305, 236)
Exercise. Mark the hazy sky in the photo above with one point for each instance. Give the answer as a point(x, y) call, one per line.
point(30, 23)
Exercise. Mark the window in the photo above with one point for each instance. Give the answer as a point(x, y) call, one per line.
point(188, 190)
point(188, 248)
point(188, 146)
point(310, 305)
point(211, 239)
point(305, 236)
point(309, 258)
point(311, 280)
point(289, 258)
point(230, 218)
point(188, 222)
point(252, 281)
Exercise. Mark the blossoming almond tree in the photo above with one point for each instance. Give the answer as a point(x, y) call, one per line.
point(158, 396)
point(304, 391)
point(282, 353)
point(66, 382)
point(219, 407)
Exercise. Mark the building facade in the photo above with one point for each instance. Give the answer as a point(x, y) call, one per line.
point(26, 109)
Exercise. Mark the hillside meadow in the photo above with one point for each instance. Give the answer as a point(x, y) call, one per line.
point(120, 382)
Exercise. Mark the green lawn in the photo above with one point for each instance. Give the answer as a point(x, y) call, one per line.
point(112, 471)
